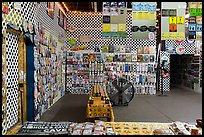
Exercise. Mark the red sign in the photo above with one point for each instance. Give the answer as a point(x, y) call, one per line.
point(179, 41)
point(180, 49)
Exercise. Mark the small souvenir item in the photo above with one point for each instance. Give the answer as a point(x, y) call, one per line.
point(31, 28)
point(140, 50)
point(126, 68)
point(92, 57)
point(151, 58)
point(25, 26)
point(106, 11)
point(146, 58)
point(106, 4)
point(105, 48)
point(116, 48)
point(190, 41)
point(144, 6)
point(111, 49)
point(146, 50)
point(72, 28)
point(140, 78)
point(128, 49)
point(139, 58)
point(128, 58)
point(151, 35)
point(122, 4)
point(116, 58)
point(134, 58)
point(152, 7)
point(5, 7)
point(122, 49)
point(135, 6)
point(113, 4)
point(109, 58)
point(122, 58)
point(152, 49)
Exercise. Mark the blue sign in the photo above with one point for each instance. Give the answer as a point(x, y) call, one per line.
point(170, 48)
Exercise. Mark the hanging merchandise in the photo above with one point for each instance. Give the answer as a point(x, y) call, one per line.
point(173, 21)
point(143, 20)
point(129, 60)
point(195, 20)
point(114, 20)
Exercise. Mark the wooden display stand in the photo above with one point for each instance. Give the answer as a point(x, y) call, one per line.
point(99, 105)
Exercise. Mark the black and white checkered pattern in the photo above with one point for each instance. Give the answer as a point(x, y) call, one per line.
point(166, 81)
point(134, 67)
point(189, 48)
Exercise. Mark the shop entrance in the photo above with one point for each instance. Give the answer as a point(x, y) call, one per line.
point(30, 79)
point(182, 71)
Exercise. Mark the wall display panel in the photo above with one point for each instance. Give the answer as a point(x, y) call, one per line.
point(173, 20)
point(119, 54)
point(114, 20)
point(143, 19)
point(49, 41)
point(47, 74)
point(195, 20)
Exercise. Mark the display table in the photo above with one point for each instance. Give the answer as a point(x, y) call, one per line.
point(136, 128)
point(99, 105)
point(104, 128)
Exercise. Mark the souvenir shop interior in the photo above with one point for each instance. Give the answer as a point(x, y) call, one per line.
point(114, 53)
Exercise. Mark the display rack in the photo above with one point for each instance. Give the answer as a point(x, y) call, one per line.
point(120, 54)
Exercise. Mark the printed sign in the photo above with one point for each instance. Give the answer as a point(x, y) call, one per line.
point(84, 38)
point(170, 48)
point(151, 36)
point(180, 49)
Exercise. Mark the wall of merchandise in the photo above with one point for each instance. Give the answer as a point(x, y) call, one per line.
point(31, 19)
point(185, 45)
point(131, 58)
point(173, 20)
point(49, 60)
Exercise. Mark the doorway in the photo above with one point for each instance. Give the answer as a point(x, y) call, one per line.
point(30, 79)
point(182, 71)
